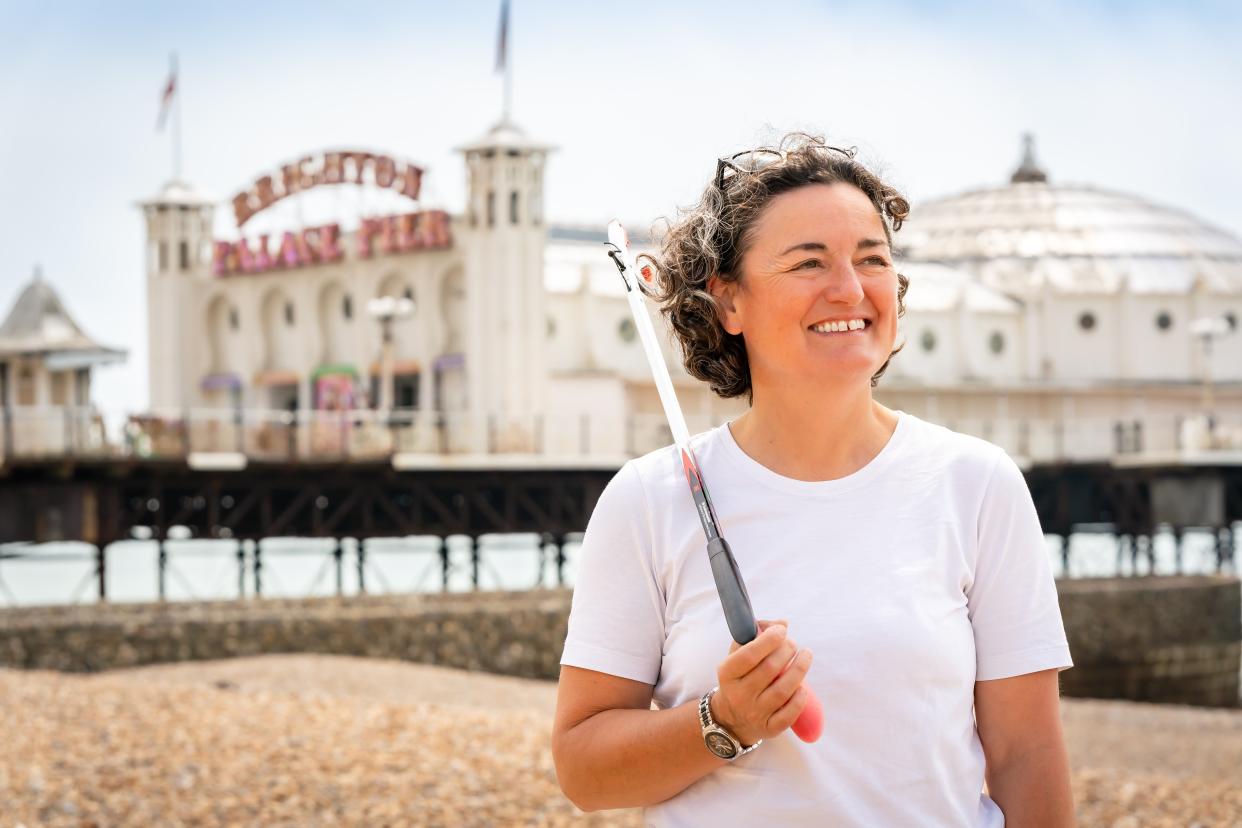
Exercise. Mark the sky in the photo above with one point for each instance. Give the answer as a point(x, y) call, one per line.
point(639, 98)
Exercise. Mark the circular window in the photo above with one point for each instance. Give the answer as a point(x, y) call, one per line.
point(996, 342)
point(1086, 321)
point(626, 330)
point(928, 339)
point(1231, 319)
point(1163, 320)
point(551, 327)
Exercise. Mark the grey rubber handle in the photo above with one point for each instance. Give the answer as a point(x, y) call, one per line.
point(732, 590)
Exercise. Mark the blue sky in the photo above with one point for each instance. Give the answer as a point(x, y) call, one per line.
point(639, 98)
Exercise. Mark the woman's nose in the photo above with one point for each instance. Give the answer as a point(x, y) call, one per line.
point(843, 285)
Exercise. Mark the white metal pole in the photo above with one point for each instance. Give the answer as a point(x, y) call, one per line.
point(176, 127)
point(508, 64)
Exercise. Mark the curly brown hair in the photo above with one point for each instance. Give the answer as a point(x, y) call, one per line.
point(710, 238)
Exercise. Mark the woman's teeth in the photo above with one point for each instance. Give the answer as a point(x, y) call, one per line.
point(835, 327)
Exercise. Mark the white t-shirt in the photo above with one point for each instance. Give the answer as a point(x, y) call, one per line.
point(910, 579)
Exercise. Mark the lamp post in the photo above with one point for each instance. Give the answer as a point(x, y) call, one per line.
point(386, 309)
point(1208, 328)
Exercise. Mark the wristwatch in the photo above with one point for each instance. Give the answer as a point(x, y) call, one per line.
point(718, 740)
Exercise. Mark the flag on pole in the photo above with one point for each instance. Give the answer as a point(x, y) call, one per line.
point(170, 89)
point(502, 43)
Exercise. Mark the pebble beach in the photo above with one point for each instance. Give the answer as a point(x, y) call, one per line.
point(315, 740)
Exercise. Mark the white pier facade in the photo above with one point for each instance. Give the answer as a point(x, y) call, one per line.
point(1063, 322)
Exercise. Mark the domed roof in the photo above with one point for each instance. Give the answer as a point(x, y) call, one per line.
point(39, 323)
point(1075, 237)
point(941, 288)
point(176, 192)
point(505, 135)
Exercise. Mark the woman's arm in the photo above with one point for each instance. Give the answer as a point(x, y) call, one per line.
point(613, 751)
point(1019, 722)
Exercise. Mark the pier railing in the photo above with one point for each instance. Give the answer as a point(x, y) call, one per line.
point(408, 436)
point(207, 569)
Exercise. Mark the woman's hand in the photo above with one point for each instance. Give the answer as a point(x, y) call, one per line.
point(761, 692)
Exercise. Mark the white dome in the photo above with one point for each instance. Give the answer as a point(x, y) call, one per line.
point(1072, 237)
point(936, 288)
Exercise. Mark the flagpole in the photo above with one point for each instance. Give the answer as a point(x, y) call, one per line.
point(504, 63)
point(508, 78)
point(176, 125)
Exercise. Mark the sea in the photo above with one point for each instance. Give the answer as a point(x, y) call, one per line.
point(198, 570)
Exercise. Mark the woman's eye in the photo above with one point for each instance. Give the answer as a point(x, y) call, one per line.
point(809, 263)
point(877, 260)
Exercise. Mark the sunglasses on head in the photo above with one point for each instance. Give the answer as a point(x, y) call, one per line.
point(751, 161)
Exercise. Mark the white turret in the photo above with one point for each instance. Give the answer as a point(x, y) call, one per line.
point(505, 361)
point(179, 232)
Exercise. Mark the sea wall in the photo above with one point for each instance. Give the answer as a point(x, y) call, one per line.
point(1164, 639)
point(511, 633)
point(1176, 639)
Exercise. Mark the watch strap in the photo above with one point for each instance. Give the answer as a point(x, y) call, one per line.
point(708, 723)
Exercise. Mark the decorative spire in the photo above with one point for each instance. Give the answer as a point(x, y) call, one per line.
point(1028, 171)
point(38, 274)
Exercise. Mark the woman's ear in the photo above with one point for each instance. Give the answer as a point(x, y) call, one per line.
point(723, 293)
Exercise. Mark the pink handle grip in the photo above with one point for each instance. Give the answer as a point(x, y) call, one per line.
point(810, 723)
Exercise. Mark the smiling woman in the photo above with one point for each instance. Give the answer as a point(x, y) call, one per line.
point(821, 297)
point(907, 557)
point(699, 249)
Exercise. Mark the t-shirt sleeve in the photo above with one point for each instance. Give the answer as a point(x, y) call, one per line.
point(616, 619)
point(1012, 600)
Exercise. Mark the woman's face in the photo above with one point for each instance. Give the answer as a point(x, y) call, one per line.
point(817, 254)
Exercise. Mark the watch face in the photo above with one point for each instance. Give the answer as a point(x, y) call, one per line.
point(720, 745)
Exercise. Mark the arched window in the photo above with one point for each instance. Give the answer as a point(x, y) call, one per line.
point(996, 342)
point(221, 318)
point(335, 310)
point(1164, 320)
point(928, 340)
point(453, 311)
point(281, 341)
point(513, 207)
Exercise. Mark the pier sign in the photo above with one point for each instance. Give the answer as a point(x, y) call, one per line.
point(339, 167)
point(385, 235)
